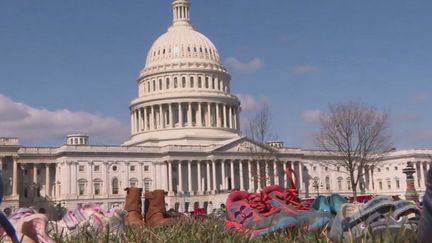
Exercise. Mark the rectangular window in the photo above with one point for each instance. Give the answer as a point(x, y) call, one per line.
point(81, 188)
point(96, 168)
point(132, 168)
point(388, 184)
point(397, 184)
point(146, 186)
point(81, 168)
point(97, 187)
point(146, 168)
point(339, 185)
point(380, 185)
point(132, 184)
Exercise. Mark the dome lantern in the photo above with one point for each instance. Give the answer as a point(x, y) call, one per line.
point(181, 12)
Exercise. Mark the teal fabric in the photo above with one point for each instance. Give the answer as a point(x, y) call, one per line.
point(329, 204)
point(336, 201)
point(321, 203)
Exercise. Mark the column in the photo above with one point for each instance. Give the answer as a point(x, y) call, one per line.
point(224, 116)
point(164, 169)
point(170, 115)
point(189, 114)
point(180, 181)
point(251, 184)
point(106, 181)
point(90, 179)
point(132, 123)
point(232, 174)
point(180, 113)
point(208, 123)
point(146, 126)
point(199, 177)
point(161, 117)
point(223, 174)
point(300, 173)
point(241, 175)
point(421, 175)
point(230, 117)
point(126, 175)
point(74, 178)
point(285, 175)
point(15, 177)
point(218, 118)
point(214, 176)
point(208, 189)
point(235, 118)
point(258, 175)
point(275, 174)
point(141, 182)
point(139, 121)
point(169, 176)
point(267, 174)
point(189, 176)
point(280, 178)
point(47, 180)
point(199, 118)
point(35, 181)
point(152, 118)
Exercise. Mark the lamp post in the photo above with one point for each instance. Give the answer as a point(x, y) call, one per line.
point(316, 185)
point(411, 193)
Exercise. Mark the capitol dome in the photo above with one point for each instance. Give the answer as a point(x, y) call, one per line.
point(183, 91)
point(182, 45)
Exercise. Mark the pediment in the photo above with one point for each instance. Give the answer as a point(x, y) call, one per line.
point(244, 145)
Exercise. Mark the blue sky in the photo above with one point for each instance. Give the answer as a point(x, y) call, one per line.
point(71, 66)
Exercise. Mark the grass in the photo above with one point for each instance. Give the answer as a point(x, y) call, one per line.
point(211, 230)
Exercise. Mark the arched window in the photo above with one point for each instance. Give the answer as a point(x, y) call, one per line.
point(167, 83)
point(133, 182)
point(199, 82)
point(389, 184)
point(192, 82)
point(147, 184)
point(380, 185)
point(154, 85)
point(183, 82)
point(339, 181)
point(175, 82)
point(327, 183)
point(160, 84)
point(82, 184)
point(206, 82)
point(97, 185)
point(397, 182)
point(115, 186)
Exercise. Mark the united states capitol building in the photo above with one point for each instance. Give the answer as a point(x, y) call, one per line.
point(185, 139)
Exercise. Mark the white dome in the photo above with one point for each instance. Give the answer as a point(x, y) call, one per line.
point(182, 44)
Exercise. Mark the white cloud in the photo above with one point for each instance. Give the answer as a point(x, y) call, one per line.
point(247, 67)
point(311, 116)
point(303, 69)
point(249, 103)
point(36, 125)
point(421, 98)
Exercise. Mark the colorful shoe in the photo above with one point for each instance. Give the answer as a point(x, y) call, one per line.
point(252, 213)
point(89, 217)
point(30, 226)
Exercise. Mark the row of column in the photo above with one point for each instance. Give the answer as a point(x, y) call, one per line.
point(34, 177)
point(218, 175)
point(184, 114)
point(420, 176)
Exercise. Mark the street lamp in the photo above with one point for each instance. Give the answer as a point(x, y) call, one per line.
point(317, 186)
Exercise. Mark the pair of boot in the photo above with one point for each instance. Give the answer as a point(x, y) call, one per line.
point(155, 212)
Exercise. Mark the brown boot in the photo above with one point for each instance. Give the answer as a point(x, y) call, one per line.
point(155, 209)
point(133, 207)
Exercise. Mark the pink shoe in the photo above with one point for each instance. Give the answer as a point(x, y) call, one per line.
point(30, 226)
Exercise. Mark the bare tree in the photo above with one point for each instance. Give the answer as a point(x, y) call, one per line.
point(357, 136)
point(258, 128)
